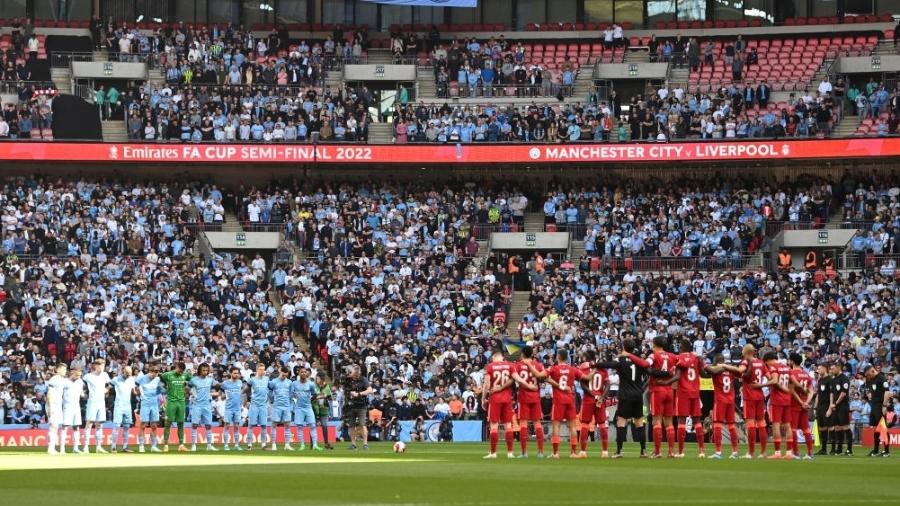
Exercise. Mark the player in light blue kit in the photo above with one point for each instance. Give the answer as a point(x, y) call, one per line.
point(97, 382)
point(282, 403)
point(123, 385)
point(201, 407)
point(305, 391)
point(259, 406)
point(233, 387)
point(73, 392)
point(149, 387)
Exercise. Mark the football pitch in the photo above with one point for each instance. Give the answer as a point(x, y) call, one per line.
point(435, 474)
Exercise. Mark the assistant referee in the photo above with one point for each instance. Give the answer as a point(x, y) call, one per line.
point(879, 400)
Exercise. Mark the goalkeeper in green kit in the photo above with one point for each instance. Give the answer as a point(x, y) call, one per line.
point(175, 404)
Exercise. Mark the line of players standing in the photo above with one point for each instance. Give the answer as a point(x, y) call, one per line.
point(673, 381)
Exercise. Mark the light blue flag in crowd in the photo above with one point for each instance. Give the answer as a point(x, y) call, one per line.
point(428, 3)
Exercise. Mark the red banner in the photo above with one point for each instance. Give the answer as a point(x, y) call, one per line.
point(868, 436)
point(431, 154)
point(38, 437)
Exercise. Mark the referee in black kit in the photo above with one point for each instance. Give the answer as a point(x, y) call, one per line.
point(879, 400)
point(839, 411)
point(823, 401)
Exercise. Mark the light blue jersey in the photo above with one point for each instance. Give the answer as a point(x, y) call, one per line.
point(282, 402)
point(150, 390)
point(201, 408)
point(304, 392)
point(259, 401)
point(233, 390)
point(124, 388)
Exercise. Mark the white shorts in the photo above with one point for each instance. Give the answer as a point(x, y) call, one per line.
point(72, 416)
point(56, 417)
point(95, 413)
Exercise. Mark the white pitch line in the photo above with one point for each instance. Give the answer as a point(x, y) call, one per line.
point(37, 461)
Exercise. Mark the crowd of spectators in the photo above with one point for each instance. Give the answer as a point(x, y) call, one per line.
point(479, 68)
point(389, 276)
point(30, 117)
point(260, 112)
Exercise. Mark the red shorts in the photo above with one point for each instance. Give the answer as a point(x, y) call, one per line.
point(779, 414)
point(662, 402)
point(688, 406)
point(591, 412)
point(754, 410)
point(723, 412)
point(560, 412)
point(530, 411)
point(799, 418)
point(500, 412)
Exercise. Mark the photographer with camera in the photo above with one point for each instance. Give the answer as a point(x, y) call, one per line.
point(356, 406)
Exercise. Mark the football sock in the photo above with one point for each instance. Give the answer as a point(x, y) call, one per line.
point(807, 437)
point(125, 431)
point(495, 436)
point(834, 440)
point(776, 441)
point(670, 438)
point(584, 438)
point(732, 433)
point(795, 445)
point(510, 439)
point(763, 438)
point(99, 436)
point(848, 435)
point(555, 441)
point(314, 437)
point(717, 438)
point(657, 438)
point(194, 434)
point(523, 438)
point(620, 438)
point(876, 444)
point(681, 435)
point(573, 441)
point(539, 435)
point(698, 430)
point(839, 435)
point(76, 437)
point(824, 433)
point(604, 437)
point(751, 439)
point(639, 433)
point(114, 435)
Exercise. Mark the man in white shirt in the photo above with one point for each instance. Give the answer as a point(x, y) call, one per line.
point(55, 387)
point(253, 211)
point(825, 86)
point(95, 413)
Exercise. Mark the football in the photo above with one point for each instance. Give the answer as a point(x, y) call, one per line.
point(399, 447)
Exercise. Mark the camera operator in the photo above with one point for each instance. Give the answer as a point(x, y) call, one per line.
point(356, 406)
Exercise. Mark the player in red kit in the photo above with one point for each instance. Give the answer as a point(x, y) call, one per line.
point(687, 396)
point(801, 393)
point(496, 394)
point(753, 373)
point(662, 395)
point(562, 378)
point(779, 404)
point(529, 400)
point(595, 385)
point(724, 380)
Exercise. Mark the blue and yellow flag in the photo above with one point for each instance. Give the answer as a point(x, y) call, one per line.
point(513, 346)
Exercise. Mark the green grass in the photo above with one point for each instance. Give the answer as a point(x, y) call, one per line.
point(448, 474)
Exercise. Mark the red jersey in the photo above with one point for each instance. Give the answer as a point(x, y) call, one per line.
point(689, 381)
point(756, 373)
point(806, 382)
point(526, 396)
point(723, 387)
point(498, 373)
point(596, 381)
point(781, 374)
point(663, 361)
point(566, 376)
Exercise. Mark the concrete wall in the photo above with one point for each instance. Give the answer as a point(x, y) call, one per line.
point(519, 241)
point(120, 70)
point(620, 71)
point(254, 240)
point(863, 64)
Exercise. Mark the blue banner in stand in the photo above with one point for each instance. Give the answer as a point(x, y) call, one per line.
point(463, 431)
point(428, 3)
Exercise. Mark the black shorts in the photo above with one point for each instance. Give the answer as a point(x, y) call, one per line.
point(630, 409)
point(875, 416)
point(840, 416)
point(821, 419)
